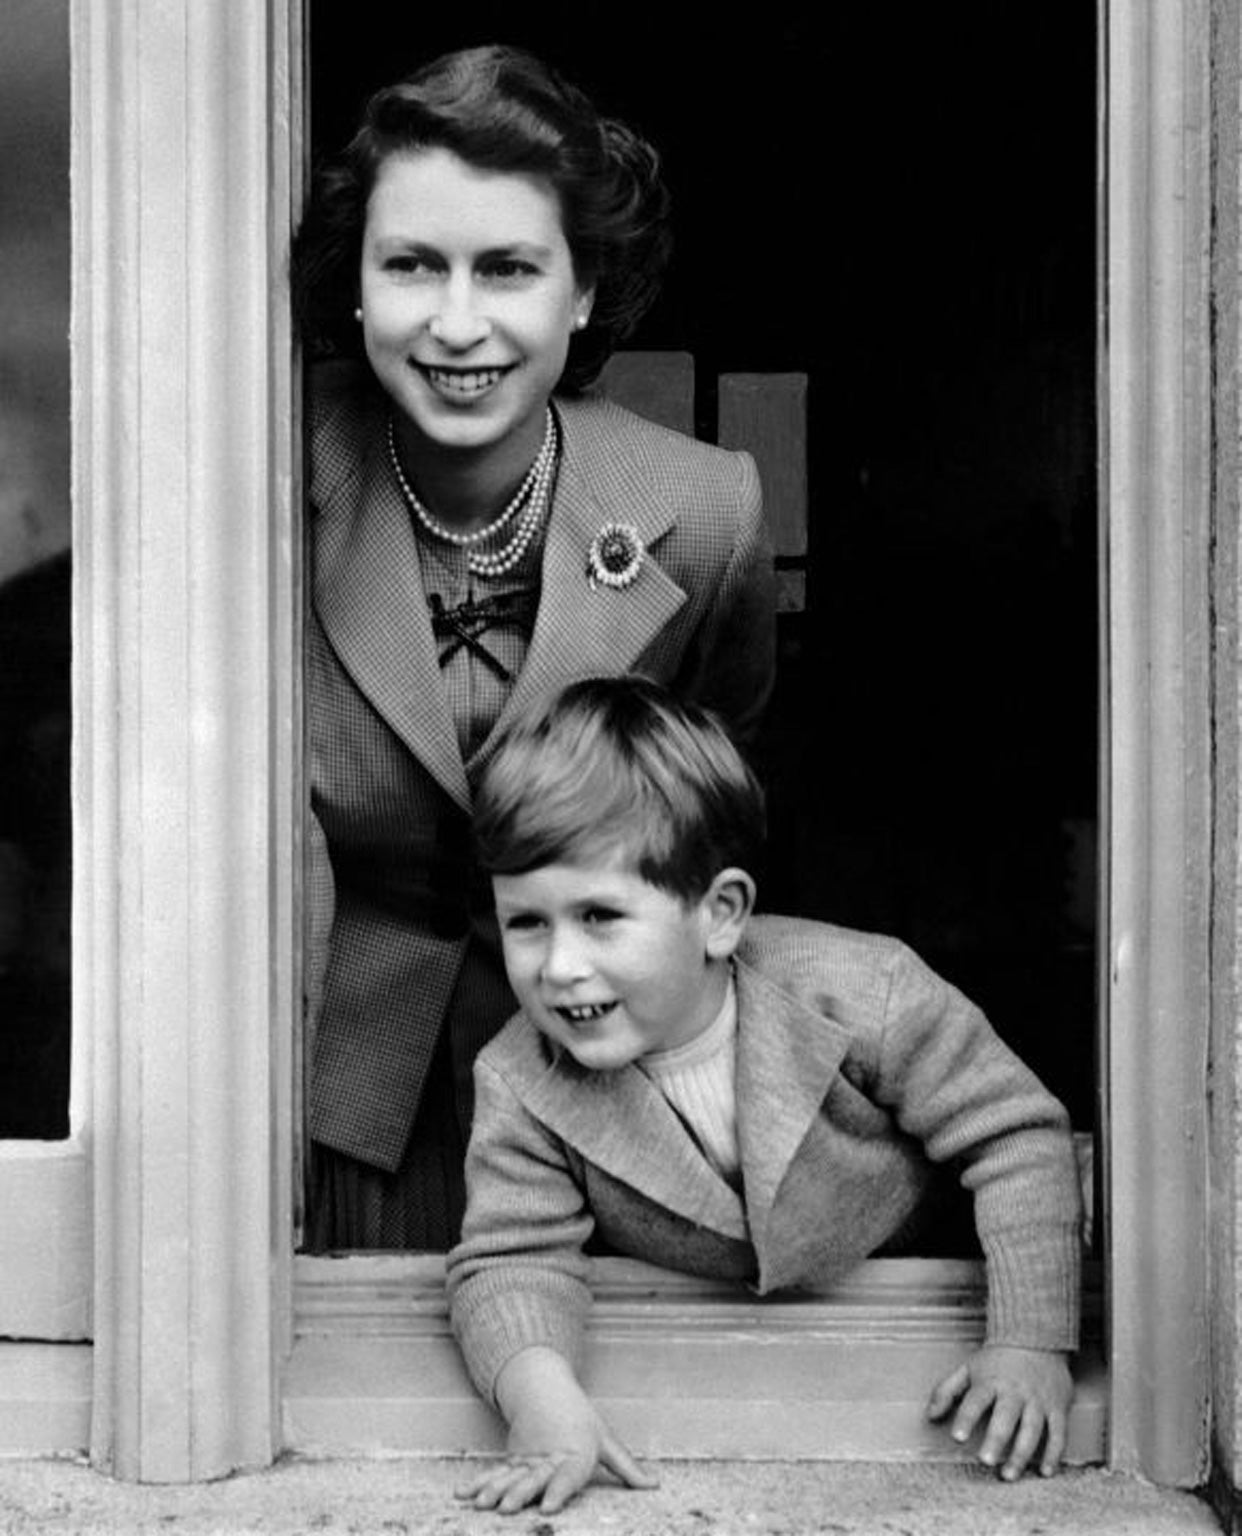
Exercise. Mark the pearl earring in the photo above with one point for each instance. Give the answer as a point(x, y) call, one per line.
point(580, 323)
point(358, 313)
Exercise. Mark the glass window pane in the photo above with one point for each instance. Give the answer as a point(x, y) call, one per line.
point(34, 570)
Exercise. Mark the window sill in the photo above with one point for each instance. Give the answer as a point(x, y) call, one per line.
point(45, 1240)
point(681, 1367)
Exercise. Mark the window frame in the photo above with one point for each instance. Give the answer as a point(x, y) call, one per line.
point(1155, 358)
point(1155, 393)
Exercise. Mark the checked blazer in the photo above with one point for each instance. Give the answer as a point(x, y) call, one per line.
point(395, 903)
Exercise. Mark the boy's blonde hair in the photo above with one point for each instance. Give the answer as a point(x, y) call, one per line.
point(618, 765)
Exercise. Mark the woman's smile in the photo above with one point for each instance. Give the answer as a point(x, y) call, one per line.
point(463, 386)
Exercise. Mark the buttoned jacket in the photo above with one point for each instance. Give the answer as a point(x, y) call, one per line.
point(858, 1071)
point(395, 902)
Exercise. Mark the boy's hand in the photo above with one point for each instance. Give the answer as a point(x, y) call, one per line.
point(1024, 1394)
point(556, 1440)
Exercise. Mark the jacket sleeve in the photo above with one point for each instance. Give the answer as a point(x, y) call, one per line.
point(320, 899)
point(953, 1084)
point(731, 667)
point(518, 1277)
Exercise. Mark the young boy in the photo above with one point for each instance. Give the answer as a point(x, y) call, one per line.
point(761, 1098)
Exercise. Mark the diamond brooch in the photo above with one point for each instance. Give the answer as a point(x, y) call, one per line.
point(615, 556)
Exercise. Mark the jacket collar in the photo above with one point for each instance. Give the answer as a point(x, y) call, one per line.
point(368, 594)
point(788, 1055)
point(368, 585)
point(596, 1113)
point(583, 630)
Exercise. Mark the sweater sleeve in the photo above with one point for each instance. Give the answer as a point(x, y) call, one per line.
point(957, 1087)
point(518, 1277)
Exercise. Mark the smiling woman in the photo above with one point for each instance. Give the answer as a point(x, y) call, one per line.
point(470, 260)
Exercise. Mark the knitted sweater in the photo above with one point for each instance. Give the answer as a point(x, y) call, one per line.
point(858, 1070)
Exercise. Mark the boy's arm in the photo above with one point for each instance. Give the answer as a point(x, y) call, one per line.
point(518, 1298)
point(556, 1439)
point(955, 1085)
point(518, 1277)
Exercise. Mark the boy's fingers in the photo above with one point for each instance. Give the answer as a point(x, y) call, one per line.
point(1026, 1443)
point(945, 1393)
point(619, 1460)
point(1054, 1445)
point(468, 1490)
point(570, 1477)
point(525, 1487)
point(971, 1408)
point(505, 1487)
point(485, 1488)
point(1002, 1425)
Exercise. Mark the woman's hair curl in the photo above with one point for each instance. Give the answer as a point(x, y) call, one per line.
point(499, 109)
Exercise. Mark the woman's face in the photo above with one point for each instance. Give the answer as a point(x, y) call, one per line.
point(468, 300)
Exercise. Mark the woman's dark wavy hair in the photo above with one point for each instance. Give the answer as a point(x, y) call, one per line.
point(500, 109)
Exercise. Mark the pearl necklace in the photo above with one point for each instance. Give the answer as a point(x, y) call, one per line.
point(526, 510)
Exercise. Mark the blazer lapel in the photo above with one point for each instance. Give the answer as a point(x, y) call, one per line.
point(621, 1122)
point(369, 597)
point(788, 1055)
point(583, 630)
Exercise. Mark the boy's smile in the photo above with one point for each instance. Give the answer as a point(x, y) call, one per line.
point(586, 1014)
point(606, 964)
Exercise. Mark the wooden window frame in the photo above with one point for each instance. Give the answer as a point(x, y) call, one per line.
point(186, 788)
point(1155, 385)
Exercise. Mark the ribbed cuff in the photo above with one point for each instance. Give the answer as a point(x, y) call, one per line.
point(495, 1317)
point(1034, 1286)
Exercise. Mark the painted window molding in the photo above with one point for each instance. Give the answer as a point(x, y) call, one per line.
point(186, 831)
point(681, 1367)
point(1155, 378)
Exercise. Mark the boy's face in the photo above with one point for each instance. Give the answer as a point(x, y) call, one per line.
point(607, 965)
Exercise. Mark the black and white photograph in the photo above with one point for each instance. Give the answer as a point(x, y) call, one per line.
point(620, 832)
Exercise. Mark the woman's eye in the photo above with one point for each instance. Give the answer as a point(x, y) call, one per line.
point(408, 264)
point(508, 269)
point(520, 922)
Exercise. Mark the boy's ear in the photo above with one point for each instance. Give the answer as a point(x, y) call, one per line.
point(727, 905)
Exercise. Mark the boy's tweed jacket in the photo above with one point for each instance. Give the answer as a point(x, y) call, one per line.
point(858, 1069)
point(395, 905)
